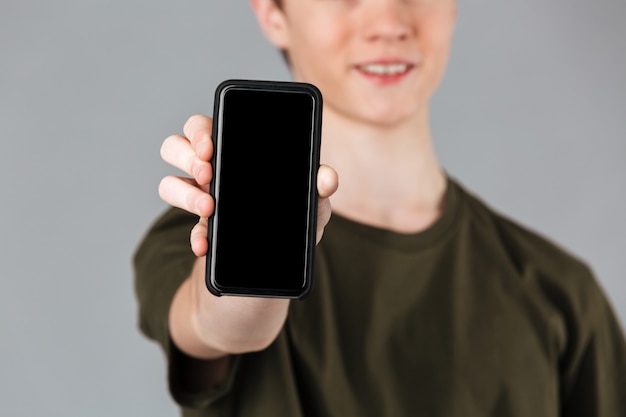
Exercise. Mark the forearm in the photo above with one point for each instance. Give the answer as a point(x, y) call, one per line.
point(209, 327)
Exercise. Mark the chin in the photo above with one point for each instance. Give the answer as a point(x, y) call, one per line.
point(395, 115)
point(390, 122)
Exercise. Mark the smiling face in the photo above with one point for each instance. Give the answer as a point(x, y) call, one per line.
point(375, 61)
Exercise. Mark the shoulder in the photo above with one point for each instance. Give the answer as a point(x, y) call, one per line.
point(173, 218)
point(167, 235)
point(561, 275)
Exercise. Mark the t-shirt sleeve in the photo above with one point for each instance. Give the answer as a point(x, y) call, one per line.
point(594, 365)
point(162, 261)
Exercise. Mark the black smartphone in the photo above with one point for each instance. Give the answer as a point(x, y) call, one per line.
point(266, 137)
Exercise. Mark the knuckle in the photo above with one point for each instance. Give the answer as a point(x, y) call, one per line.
point(191, 125)
point(190, 165)
point(169, 147)
point(190, 201)
point(165, 146)
point(163, 186)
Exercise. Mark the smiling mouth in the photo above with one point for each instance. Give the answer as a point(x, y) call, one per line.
point(385, 70)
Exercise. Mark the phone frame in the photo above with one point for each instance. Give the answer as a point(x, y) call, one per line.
point(212, 282)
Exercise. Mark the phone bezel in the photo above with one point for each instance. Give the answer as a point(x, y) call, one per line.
point(212, 282)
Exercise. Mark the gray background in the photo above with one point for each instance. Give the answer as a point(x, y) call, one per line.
point(531, 116)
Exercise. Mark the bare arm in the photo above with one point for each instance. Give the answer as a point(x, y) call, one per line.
point(209, 327)
point(202, 325)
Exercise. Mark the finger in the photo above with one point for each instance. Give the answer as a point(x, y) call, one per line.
point(198, 238)
point(198, 130)
point(176, 150)
point(323, 216)
point(183, 193)
point(327, 181)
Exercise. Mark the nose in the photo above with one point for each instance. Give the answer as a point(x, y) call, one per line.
point(386, 20)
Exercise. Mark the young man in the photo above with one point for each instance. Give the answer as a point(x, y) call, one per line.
point(426, 301)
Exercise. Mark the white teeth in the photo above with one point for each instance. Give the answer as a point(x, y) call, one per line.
point(380, 69)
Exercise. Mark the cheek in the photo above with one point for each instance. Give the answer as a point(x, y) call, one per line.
point(325, 38)
point(317, 51)
point(313, 32)
point(437, 38)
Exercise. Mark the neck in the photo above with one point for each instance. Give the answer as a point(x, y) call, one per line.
point(389, 176)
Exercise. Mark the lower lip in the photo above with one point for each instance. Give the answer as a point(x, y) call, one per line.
point(386, 79)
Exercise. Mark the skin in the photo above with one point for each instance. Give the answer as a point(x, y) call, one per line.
point(376, 137)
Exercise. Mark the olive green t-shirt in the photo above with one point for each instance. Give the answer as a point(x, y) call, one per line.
point(476, 316)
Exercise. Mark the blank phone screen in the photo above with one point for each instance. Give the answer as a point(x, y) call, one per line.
point(264, 191)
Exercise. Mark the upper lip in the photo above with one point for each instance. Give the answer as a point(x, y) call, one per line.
point(386, 61)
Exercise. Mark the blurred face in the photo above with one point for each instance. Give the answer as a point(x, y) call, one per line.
point(375, 61)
